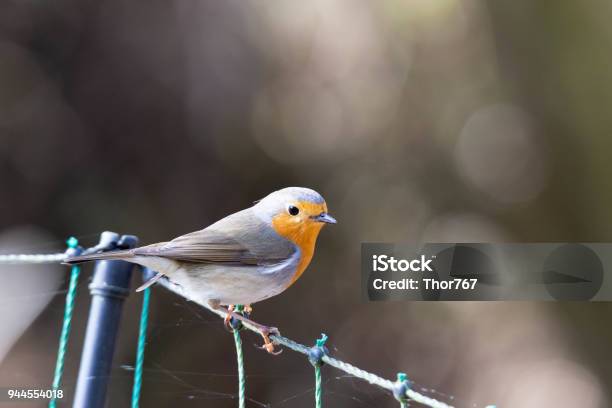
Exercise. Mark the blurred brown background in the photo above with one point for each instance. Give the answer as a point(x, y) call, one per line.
point(416, 119)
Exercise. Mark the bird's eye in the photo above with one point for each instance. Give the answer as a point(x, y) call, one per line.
point(293, 210)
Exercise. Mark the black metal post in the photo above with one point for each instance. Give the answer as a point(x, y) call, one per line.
point(109, 287)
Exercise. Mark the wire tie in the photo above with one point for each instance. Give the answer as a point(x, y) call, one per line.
point(235, 323)
point(73, 247)
point(318, 351)
point(401, 387)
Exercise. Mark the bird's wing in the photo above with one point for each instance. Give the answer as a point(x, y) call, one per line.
point(207, 246)
point(238, 239)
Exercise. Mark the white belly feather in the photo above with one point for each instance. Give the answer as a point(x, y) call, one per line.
point(227, 284)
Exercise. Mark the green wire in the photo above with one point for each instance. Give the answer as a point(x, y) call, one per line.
point(318, 387)
point(142, 337)
point(240, 361)
point(69, 308)
point(241, 379)
point(315, 360)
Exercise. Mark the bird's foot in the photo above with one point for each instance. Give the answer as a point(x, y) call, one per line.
point(268, 345)
point(227, 321)
point(233, 315)
point(232, 321)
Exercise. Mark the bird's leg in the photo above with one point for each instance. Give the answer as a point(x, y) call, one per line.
point(229, 313)
point(268, 345)
point(228, 317)
point(264, 331)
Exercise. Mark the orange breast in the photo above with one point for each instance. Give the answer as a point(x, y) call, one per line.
point(302, 231)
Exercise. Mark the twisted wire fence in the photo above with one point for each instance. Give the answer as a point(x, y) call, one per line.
point(318, 354)
point(401, 389)
point(16, 259)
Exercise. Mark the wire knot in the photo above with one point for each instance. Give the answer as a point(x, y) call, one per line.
point(318, 351)
point(234, 323)
point(402, 385)
point(73, 247)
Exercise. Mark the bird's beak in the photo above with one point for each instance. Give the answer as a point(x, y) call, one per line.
point(325, 217)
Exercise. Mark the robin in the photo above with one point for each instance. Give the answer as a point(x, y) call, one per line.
point(244, 258)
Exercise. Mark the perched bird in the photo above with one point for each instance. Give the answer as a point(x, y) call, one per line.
point(244, 258)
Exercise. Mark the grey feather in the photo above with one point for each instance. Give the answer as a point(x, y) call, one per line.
point(239, 239)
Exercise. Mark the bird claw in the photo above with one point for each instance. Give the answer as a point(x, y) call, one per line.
point(268, 345)
point(232, 317)
point(227, 321)
point(235, 315)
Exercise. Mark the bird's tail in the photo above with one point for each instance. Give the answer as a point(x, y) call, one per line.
point(124, 255)
point(113, 255)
